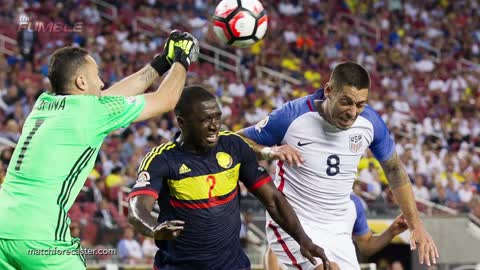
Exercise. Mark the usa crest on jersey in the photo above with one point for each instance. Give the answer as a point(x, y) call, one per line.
point(355, 143)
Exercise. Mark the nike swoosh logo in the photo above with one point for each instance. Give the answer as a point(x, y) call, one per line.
point(303, 144)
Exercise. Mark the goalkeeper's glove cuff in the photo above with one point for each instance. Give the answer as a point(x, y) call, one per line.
point(161, 64)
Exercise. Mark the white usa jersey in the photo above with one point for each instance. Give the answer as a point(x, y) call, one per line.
point(319, 190)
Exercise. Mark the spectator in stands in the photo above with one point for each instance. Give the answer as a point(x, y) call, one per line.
point(27, 40)
point(370, 177)
point(11, 131)
point(149, 249)
point(112, 162)
point(107, 225)
point(420, 191)
point(96, 192)
point(6, 155)
point(439, 195)
point(466, 193)
point(129, 249)
point(451, 174)
point(115, 178)
point(245, 239)
point(453, 200)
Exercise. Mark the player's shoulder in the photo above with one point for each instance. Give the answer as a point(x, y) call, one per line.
point(370, 114)
point(229, 137)
point(157, 156)
point(297, 107)
point(358, 203)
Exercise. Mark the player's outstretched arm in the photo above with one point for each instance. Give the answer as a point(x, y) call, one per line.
point(134, 84)
point(369, 243)
point(282, 213)
point(402, 190)
point(139, 215)
point(284, 152)
point(182, 49)
point(141, 80)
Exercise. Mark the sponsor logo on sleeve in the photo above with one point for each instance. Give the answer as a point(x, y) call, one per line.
point(143, 180)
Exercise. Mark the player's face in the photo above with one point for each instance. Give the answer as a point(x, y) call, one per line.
point(92, 75)
point(205, 124)
point(345, 105)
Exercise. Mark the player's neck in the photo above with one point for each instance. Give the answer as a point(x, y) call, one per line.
point(321, 106)
point(192, 147)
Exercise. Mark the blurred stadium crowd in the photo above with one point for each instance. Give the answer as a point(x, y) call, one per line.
point(423, 57)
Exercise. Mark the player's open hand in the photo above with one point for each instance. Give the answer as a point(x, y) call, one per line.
point(310, 250)
point(398, 226)
point(287, 153)
point(427, 250)
point(168, 230)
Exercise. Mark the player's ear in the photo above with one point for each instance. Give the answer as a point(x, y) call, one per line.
point(81, 82)
point(327, 89)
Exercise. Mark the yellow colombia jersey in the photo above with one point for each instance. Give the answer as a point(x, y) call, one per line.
point(202, 190)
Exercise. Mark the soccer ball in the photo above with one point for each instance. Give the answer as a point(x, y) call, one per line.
point(240, 23)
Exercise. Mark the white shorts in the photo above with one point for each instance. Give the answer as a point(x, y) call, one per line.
point(337, 243)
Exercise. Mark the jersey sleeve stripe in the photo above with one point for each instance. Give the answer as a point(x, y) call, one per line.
point(166, 147)
point(143, 192)
point(281, 173)
point(148, 155)
point(284, 246)
point(155, 152)
point(260, 183)
point(310, 106)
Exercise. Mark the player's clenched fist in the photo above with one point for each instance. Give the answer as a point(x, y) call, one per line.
point(180, 47)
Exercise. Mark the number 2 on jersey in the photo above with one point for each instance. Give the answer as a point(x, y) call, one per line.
point(333, 162)
point(212, 181)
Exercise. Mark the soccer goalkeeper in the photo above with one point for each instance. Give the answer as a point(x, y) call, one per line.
point(59, 144)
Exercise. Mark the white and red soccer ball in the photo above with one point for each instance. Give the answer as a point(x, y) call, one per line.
point(240, 23)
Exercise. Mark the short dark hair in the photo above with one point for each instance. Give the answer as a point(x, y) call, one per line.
point(350, 74)
point(63, 65)
point(192, 95)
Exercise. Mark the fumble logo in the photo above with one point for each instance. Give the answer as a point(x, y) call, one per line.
point(24, 22)
point(355, 143)
point(142, 180)
point(224, 160)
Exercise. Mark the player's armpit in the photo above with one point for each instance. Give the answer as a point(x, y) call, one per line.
point(139, 209)
point(395, 172)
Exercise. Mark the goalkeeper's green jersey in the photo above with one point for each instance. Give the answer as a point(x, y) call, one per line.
point(54, 155)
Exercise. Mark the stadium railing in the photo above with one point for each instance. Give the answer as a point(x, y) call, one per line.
point(273, 73)
point(7, 44)
point(434, 209)
point(363, 27)
point(106, 10)
point(6, 143)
